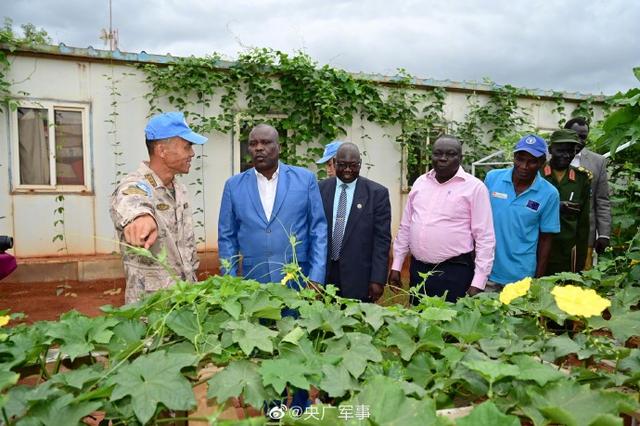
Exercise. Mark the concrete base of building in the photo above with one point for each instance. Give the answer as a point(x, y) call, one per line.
point(87, 268)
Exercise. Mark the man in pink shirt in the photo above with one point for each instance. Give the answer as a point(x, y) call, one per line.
point(447, 226)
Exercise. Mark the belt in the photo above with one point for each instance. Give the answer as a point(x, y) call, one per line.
point(467, 259)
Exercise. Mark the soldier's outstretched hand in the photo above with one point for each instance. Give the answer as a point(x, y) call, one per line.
point(142, 232)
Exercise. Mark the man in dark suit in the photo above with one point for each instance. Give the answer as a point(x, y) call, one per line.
point(358, 215)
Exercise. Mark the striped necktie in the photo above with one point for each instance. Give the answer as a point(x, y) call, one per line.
point(338, 230)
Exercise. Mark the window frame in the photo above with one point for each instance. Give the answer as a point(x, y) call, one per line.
point(51, 106)
point(404, 162)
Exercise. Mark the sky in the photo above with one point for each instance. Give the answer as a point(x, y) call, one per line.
point(587, 46)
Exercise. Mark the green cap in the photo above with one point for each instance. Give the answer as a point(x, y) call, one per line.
point(564, 136)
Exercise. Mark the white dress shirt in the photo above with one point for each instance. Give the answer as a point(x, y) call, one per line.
point(267, 189)
point(576, 160)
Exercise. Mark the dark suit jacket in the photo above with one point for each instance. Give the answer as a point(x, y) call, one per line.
point(367, 237)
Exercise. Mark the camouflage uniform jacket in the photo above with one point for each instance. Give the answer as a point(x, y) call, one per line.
point(569, 247)
point(140, 193)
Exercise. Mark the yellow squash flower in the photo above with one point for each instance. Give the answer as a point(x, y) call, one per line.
point(4, 320)
point(287, 278)
point(515, 290)
point(578, 301)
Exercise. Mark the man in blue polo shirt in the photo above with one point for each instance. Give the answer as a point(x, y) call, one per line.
point(526, 213)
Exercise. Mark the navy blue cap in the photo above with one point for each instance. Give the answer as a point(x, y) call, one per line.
point(533, 144)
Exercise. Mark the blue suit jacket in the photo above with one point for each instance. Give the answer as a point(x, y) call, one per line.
point(264, 244)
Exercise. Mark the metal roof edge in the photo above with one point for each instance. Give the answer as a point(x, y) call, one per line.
point(144, 57)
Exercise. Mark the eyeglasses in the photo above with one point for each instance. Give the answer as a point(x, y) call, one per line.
point(351, 165)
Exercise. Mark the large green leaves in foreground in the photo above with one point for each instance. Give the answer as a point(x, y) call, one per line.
point(240, 378)
point(155, 379)
point(387, 365)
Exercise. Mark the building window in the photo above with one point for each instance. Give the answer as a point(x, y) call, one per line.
point(417, 157)
point(50, 147)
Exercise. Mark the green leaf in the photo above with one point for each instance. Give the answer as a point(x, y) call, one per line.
point(78, 378)
point(262, 305)
point(184, 323)
point(294, 336)
point(402, 336)
point(233, 307)
point(545, 303)
point(631, 362)
point(62, 411)
point(420, 368)
point(494, 347)
point(127, 338)
point(492, 370)
point(531, 369)
point(238, 378)
point(249, 336)
point(571, 404)
point(438, 314)
point(78, 334)
point(560, 346)
point(469, 327)
point(487, 414)
point(279, 372)
point(389, 406)
point(326, 318)
point(622, 325)
point(7, 379)
point(373, 315)
point(336, 380)
point(360, 350)
point(155, 379)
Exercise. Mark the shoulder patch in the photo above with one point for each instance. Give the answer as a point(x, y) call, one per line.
point(145, 187)
point(149, 177)
point(586, 172)
point(134, 190)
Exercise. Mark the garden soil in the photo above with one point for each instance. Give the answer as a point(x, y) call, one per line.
point(46, 301)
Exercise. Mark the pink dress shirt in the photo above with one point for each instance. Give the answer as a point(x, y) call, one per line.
point(444, 220)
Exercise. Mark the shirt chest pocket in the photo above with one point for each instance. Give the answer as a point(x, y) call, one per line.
point(167, 220)
point(528, 215)
point(449, 206)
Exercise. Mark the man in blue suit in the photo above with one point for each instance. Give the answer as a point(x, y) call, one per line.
point(266, 205)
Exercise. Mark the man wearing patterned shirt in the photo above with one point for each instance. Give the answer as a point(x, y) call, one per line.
point(447, 227)
point(150, 209)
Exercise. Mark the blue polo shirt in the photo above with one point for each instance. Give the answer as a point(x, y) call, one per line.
point(518, 220)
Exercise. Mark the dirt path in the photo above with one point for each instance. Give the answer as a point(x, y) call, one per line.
point(46, 301)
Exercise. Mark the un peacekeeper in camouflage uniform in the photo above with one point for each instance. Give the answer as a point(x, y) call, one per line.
point(569, 247)
point(150, 209)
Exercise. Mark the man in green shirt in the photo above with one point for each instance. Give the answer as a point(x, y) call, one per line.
point(569, 247)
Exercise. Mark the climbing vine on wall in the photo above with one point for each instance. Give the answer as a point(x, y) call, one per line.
point(494, 124)
point(10, 41)
point(312, 104)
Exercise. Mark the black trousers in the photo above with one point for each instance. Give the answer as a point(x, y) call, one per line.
point(453, 276)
